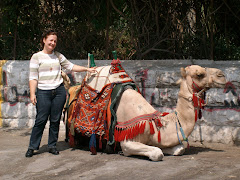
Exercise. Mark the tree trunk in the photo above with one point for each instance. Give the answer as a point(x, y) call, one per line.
point(15, 41)
point(107, 32)
point(211, 32)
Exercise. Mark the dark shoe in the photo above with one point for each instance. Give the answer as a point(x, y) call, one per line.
point(29, 153)
point(54, 151)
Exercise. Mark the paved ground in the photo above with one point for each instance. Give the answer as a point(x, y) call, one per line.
point(208, 161)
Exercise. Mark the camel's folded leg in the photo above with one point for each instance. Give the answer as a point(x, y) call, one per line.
point(136, 148)
point(176, 150)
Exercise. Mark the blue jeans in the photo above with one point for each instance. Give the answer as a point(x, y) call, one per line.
point(50, 104)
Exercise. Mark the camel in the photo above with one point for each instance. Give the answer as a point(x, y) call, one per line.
point(143, 131)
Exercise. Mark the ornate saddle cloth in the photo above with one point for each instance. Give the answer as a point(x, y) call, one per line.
point(90, 113)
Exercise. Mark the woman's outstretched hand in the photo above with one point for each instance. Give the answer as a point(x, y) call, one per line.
point(92, 70)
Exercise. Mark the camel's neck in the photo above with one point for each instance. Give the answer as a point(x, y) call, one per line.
point(185, 108)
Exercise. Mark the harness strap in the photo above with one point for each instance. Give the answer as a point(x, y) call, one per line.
point(178, 135)
point(182, 132)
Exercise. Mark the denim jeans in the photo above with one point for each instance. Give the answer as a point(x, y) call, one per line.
point(49, 105)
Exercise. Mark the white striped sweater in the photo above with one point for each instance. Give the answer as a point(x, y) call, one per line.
point(46, 69)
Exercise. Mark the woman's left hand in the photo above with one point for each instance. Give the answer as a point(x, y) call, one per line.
point(92, 70)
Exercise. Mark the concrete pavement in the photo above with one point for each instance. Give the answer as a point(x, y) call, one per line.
point(208, 161)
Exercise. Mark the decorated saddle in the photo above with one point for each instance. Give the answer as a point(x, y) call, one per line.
point(90, 106)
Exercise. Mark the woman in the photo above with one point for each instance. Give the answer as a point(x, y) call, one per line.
point(45, 76)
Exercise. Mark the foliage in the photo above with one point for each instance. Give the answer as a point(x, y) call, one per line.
point(143, 29)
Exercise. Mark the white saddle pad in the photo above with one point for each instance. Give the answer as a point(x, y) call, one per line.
point(104, 76)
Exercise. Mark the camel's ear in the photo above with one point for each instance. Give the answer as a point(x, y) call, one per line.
point(183, 72)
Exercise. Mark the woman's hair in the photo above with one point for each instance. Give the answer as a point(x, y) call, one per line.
point(46, 34)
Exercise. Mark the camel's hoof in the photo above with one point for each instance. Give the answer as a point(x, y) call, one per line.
point(156, 155)
point(179, 151)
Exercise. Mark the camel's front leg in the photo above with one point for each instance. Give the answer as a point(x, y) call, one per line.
point(176, 150)
point(136, 148)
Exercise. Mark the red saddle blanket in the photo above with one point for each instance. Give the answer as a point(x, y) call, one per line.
point(90, 111)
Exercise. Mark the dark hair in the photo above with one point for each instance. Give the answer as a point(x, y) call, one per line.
point(46, 34)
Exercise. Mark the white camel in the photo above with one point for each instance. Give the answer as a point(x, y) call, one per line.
point(195, 80)
point(143, 131)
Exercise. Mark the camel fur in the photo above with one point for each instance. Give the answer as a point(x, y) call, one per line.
point(194, 82)
point(147, 144)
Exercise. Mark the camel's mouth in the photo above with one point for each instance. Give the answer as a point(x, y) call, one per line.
point(218, 84)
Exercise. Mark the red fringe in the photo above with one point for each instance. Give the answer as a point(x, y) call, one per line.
point(121, 134)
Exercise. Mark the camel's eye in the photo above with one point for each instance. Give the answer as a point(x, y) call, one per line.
point(200, 76)
point(220, 74)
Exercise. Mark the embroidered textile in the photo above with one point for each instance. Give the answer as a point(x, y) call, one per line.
point(89, 115)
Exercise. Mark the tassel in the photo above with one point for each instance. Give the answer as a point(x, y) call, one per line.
point(141, 128)
point(195, 101)
point(124, 134)
point(164, 113)
point(115, 146)
point(151, 128)
point(196, 115)
point(130, 132)
point(93, 150)
point(199, 114)
point(92, 144)
point(159, 123)
point(100, 142)
point(159, 136)
point(121, 134)
point(116, 134)
point(71, 140)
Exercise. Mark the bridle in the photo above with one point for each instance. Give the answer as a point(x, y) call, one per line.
point(198, 95)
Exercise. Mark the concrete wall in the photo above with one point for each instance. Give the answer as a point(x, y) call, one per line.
point(156, 79)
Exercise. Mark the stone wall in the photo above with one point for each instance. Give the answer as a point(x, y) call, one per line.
point(157, 82)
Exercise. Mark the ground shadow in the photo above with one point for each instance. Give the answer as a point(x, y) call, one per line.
point(26, 132)
point(61, 146)
point(195, 150)
point(192, 150)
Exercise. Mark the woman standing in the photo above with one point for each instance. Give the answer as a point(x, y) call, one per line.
point(45, 77)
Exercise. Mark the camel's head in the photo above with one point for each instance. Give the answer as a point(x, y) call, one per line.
point(203, 78)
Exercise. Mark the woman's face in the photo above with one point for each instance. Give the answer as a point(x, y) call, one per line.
point(50, 42)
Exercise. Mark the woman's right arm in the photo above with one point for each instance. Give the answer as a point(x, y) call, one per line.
point(33, 77)
point(33, 85)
